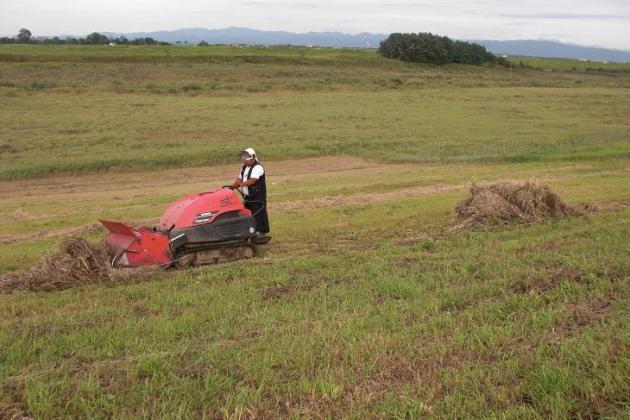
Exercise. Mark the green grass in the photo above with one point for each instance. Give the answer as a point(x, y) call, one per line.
point(341, 319)
point(123, 132)
point(563, 64)
point(365, 304)
point(121, 116)
point(127, 53)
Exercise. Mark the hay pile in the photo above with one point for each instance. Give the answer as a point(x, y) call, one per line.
point(509, 202)
point(76, 262)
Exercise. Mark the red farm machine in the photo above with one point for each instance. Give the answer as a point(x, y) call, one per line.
point(201, 228)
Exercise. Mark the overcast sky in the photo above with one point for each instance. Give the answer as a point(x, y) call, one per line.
point(586, 22)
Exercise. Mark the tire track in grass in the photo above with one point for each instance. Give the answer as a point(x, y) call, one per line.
point(318, 202)
point(307, 204)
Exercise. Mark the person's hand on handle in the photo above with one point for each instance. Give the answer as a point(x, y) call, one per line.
point(236, 184)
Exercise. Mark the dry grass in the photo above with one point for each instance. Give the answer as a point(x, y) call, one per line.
point(508, 202)
point(13, 413)
point(76, 262)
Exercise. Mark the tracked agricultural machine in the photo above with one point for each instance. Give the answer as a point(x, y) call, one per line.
point(201, 228)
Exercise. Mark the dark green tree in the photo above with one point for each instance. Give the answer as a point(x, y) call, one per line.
point(430, 48)
point(24, 36)
point(96, 39)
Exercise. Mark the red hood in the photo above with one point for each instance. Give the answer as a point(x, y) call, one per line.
point(200, 208)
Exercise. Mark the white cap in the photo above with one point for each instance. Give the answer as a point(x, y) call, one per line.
point(249, 151)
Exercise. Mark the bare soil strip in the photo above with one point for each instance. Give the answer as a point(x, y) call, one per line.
point(212, 176)
point(363, 199)
point(45, 234)
point(313, 203)
point(176, 181)
point(306, 204)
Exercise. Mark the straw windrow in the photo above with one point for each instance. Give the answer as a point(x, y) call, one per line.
point(506, 202)
point(76, 262)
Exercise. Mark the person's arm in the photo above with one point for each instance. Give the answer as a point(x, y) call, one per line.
point(256, 173)
point(249, 182)
point(237, 183)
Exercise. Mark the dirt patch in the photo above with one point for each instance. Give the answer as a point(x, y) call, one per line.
point(279, 291)
point(44, 234)
point(548, 277)
point(364, 198)
point(70, 231)
point(397, 369)
point(155, 181)
point(582, 314)
point(510, 202)
point(16, 406)
point(276, 292)
point(76, 262)
point(12, 412)
point(422, 239)
point(19, 214)
point(381, 298)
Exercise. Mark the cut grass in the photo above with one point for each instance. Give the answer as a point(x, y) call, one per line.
point(380, 329)
point(295, 187)
point(108, 133)
point(341, 318)
point(364, 304)
point(124, 116)
point(561, 64)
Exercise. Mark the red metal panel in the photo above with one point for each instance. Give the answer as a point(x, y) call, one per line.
point(121, 235)
point(184, 211)
point(152, 248)
point(141, 246)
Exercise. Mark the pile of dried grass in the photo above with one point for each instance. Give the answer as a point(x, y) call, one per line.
point(76, 262)
point(505, 202)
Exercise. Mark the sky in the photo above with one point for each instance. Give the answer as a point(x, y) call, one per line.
point(604, 23)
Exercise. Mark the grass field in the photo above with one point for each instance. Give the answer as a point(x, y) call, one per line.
point(365, 303)
point(126, 116)
point(564, 64)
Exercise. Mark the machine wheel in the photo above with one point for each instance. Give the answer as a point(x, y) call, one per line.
point(186, 260)
point(220, 255)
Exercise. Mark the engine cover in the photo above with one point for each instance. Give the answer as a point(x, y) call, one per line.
point(202, 208)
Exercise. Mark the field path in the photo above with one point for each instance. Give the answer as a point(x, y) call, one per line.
point(211, 177)
point(68, 206)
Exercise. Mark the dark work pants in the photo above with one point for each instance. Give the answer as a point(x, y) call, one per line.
point(259, 210)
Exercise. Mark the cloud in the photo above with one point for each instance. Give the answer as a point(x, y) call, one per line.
point(413, 5)
point(563, 16)
point(599, 22)
point(266, 4)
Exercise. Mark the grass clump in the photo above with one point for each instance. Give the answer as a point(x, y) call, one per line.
point(42, 84)
point(76, 262)
point(6, 83)
point(191, 87)
point(510, 202)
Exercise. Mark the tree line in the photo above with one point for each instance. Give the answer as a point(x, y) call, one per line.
point(426, 47)
point(25, 36)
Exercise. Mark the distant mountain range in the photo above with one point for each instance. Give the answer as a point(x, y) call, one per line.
point(554, 49)
point(248, 36)
point(256, 37)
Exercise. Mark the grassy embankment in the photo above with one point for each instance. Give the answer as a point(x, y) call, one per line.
point(569, 65)
point(364, 303)
point(78, 117)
